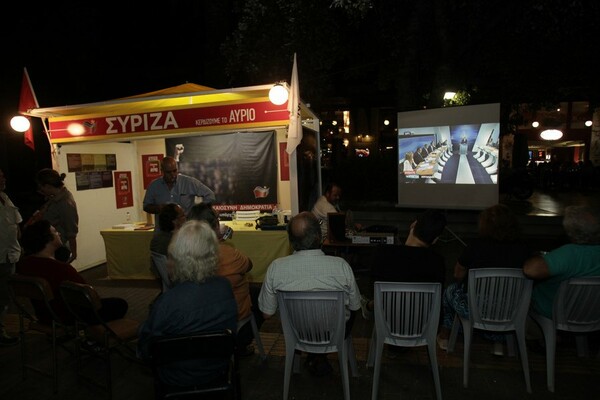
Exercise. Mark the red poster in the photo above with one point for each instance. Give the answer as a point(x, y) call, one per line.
point(284, 166)
point(151, 167)
point(123, 190)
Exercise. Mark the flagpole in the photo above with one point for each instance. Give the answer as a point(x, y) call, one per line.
point(53, 149)
point(27, 101)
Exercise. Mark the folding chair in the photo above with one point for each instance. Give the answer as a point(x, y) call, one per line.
point(576, 309)
point(315, 322)
point(112, 336)
point(159, 265)
point(215, 347)
point(406, 314)
point(23, 290)
point(498, 301)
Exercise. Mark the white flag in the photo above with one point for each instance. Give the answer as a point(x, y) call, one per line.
point(295, 128)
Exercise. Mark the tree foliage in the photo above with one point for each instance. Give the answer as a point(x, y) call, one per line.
point(406, 54)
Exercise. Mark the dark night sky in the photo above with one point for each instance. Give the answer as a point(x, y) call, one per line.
point(77, 52)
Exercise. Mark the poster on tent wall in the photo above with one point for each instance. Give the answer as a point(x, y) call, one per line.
point(123, 192)
point(241, 168)
point(151, 168)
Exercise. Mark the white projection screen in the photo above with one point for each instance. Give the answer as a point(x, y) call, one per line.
point(448, 158)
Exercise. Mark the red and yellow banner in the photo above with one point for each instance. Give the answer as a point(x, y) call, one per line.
point(173, 121)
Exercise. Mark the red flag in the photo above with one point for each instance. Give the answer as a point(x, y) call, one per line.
point(26, 103)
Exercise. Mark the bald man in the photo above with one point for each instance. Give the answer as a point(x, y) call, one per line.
point(308, 268)
point(174, 187)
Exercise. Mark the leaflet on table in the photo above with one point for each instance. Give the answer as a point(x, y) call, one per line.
point(133, 226)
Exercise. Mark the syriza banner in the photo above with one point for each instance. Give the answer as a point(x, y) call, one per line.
point(161, 122)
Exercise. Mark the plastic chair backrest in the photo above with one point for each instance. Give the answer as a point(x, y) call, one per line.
point(314, 320)
point(407, 314)
point(498, 298)
point(160, 264)
point(577, 305)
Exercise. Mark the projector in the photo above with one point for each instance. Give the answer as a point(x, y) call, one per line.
point(373, 238)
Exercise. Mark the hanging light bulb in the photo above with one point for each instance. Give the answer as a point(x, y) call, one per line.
point(551, 134)
point(278, 94)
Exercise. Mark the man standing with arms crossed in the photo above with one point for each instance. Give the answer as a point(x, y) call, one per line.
point(10, 251)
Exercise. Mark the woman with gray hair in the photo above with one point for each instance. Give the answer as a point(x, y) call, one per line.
point(579, 258)
point(199, 301)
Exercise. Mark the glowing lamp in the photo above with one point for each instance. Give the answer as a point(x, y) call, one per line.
point(278, 94)
point(76, 129)
point(449, 95)
point(20, 123)
point(551, 134)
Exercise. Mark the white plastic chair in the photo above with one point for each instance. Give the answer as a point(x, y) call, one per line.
point(576, 309)
point(498, 301)
point(406, 314)
point(159, 261)
point(315, 322)
point(250, 318)
point(493, 169)
point(489, 162)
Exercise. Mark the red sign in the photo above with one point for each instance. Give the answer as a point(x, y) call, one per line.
point(123, 191)
point(151, 167)
point(168, 121)
point(284, 162)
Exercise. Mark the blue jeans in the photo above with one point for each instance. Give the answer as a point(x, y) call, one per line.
point(456, 301)
point(6, 270)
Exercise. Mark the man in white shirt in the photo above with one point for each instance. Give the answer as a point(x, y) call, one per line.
point(308, 268)
point(327, 203)
point(10, 251)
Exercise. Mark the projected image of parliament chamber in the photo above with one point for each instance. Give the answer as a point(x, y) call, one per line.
point(449, 157)
point(462, 154)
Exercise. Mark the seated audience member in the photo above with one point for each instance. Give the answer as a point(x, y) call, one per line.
point(40, 241)
point(499, 245)
point(579, 258)
point(199, 301)
point(416, 261)
point(308, 268)
point(233, 265)
point(327, 203)
point(170, 218)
